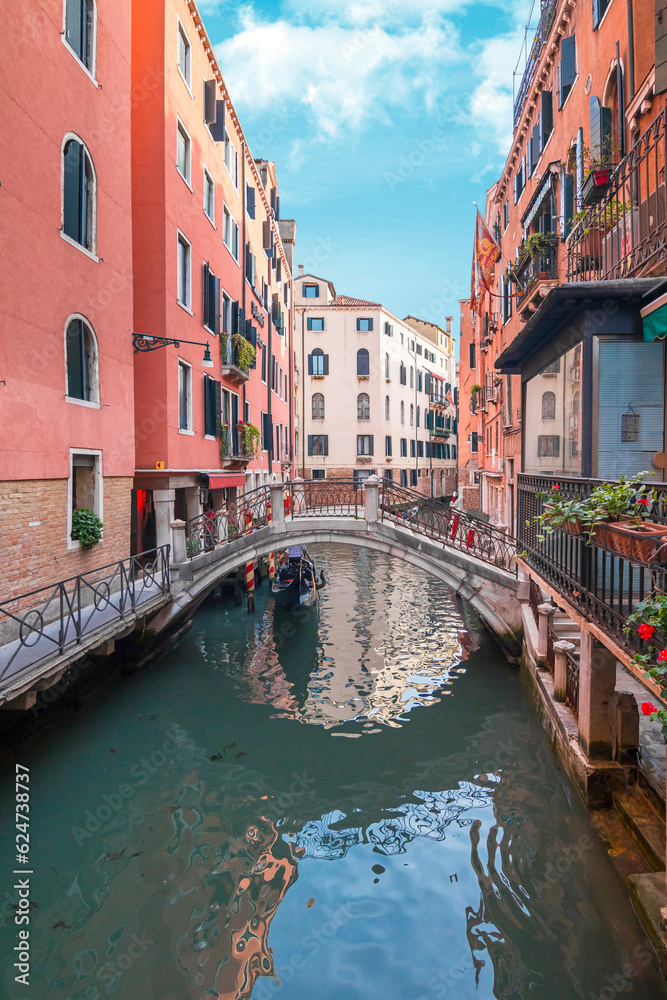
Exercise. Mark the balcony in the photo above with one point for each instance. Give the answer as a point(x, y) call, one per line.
point(231, 364)
point(438, 399)
point(535, 274)
point(441, 433)
point(547, 18)
point(622, 235)
point(477, 399)
point(233, 452)
point(601, 583)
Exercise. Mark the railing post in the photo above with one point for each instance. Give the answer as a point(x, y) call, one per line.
point(163, 502)
point(561, 649)
point(298, 497)
point(545, 613)
point(372, 499)
point(179, 545)
point(597, 701)
point(277, 504)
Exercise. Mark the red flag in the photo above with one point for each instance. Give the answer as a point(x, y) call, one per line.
point(449, 398)
point(487, 253)
point(473, 275)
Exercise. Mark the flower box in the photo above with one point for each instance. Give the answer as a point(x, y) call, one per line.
point(595, 185)
point(634, 541)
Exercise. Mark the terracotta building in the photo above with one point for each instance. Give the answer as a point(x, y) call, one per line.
point(214, 415)
point(66, 378)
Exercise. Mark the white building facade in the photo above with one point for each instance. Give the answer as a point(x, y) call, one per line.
point(376, 394)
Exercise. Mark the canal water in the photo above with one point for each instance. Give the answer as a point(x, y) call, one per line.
point(353, 802)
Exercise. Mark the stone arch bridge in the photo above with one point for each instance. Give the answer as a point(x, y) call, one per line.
point(474, 558)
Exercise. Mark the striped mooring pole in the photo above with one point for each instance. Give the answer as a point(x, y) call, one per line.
point(250, 586)
point(272, 565)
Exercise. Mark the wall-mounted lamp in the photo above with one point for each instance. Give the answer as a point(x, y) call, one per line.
point(142, 344)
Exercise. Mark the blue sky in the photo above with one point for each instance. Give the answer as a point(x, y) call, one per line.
point(386, 119)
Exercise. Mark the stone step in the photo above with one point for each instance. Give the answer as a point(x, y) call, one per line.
point(644, 825)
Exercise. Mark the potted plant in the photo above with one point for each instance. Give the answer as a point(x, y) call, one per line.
point(244, 352)
point(599, 163)
point(86, 527)
point(251, 438)
point(614, 516)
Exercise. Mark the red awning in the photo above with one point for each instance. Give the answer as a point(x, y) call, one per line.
point(222, 482)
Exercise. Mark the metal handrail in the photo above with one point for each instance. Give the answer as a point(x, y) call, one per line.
point(50, 619)
point(226, 524)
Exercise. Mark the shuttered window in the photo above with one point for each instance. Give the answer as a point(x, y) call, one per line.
point(212, 407)
point(80, 31)
point(318, 362)
point(318, 444)
point(364, 325)
point(211, 286)
point(315, 323)
point(78, 194)
point(364, 444)
point(250, 200)
point(363, 362)
point(567, 68)
point(402, 374)
point(601, 131)
point(387, 446)
point(546, 122)
point(599, 8)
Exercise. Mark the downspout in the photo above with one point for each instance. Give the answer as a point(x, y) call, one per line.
point(621, 101)
point(303, 395)
point(631, 51)
point(244, 256)
point(291, 378)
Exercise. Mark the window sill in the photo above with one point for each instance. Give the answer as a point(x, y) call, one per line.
point(210, 437)
point(185, 180)
point(210, 219)
point(91, 76)
point(231, 253)
point(78, 246)
point(187, 85)
point(185, 308)
point(186, 432)
point(82, 402)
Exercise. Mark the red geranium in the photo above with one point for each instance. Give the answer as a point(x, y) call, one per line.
point(646, 631)
point(648, 708)
point(643, 500)
point(555, 486)
point(662, 655)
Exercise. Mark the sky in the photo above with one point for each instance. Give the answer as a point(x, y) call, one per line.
point(386, 119)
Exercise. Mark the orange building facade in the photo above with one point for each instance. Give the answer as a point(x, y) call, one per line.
point(210, 270)
point(578, 206)
point(66, 372)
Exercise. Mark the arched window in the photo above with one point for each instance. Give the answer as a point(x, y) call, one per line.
point(79, 194)
point(412, 377)
point(80, 31)
point(412, 415)
point(386, 407)
point(363, 362)
point(318, 406)
point(549, 406)
point(81, 353)
point(363, 406)
point(402, 412)
point(386, 366)
point(317, 365)
point(575, 402)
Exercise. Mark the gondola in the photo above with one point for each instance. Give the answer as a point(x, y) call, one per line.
point(295, 583)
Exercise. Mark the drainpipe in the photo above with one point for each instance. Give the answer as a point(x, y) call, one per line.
point(303, 393)
point(244, 261)
point(621, 101)
point(631, 51)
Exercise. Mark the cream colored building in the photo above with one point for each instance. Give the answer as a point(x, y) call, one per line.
point(375, 394)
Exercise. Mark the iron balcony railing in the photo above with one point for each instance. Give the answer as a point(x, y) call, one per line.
point(214, 527)
point(624, 233)
point(477, 399)
point(547, 18)
point(52, 619)
point(232, 444)
point(603, 585)
point(543, 265)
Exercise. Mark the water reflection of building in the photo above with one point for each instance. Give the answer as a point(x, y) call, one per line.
point(388, 640)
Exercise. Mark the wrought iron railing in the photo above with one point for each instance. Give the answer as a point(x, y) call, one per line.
point(624, 233)
point(550, 660)
point(325, 498)
point(51, 619)
point(477, 399)
point(543, 265)
point(245, 515)
point(534, 600)
point(452, 527)
point(603, 585)
point(572, 682)
point(547, 18)
point(232, 444)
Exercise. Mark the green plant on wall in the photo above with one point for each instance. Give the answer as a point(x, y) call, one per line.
point(251, 438)
point(244, 352)
point(86, 527)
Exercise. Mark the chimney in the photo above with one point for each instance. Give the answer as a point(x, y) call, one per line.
point(448, 325)
point(300, 275)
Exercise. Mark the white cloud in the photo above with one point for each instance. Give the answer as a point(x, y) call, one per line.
point(339, 76)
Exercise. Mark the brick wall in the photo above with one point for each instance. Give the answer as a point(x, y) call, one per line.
point(33, 557)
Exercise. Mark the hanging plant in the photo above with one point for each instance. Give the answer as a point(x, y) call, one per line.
point(251, 438)
point(86, 527)
point(244, 352)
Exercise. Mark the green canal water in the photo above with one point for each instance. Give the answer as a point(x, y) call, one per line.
point(355, 802)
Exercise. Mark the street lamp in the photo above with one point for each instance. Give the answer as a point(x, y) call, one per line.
point(142, 344)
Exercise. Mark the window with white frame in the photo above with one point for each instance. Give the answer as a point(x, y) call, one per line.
point(184, 396)
point(183, 152)
point(79, 194)
point(209, 196)
point(80, 28)
point(317, 403)
point(85, 488)
point(184, 269)
point(82, 362)
point(230, 233)
point(184, 54)
point(231, 158)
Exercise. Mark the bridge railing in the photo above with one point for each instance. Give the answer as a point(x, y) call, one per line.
point(214, 527)
point(454, 528)
point(325, 498)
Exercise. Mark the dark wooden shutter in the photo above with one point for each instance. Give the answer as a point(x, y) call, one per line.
point(217, 128)
point(217, 408)
point(309, 323)
point(250, 200)
point(370, 445)
point(208, 429)
point(567, 68)
point(206, 288)
point(310, 444)
point(567, 180)
point(370, 324)
point(473, 362)
point(325, 444)
point(234, 326)
point(215, 304)
point(600, 122)
point(74, 26)
point(660, 47)
point(279, 268)
point(310, 364)
point(268, 238)
point(74, 163)
point(546, 122)
point(267, 429)
point(277, 208)
point(325, 364)
point(210, 94)
point(241, 322)
point(253, 341)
